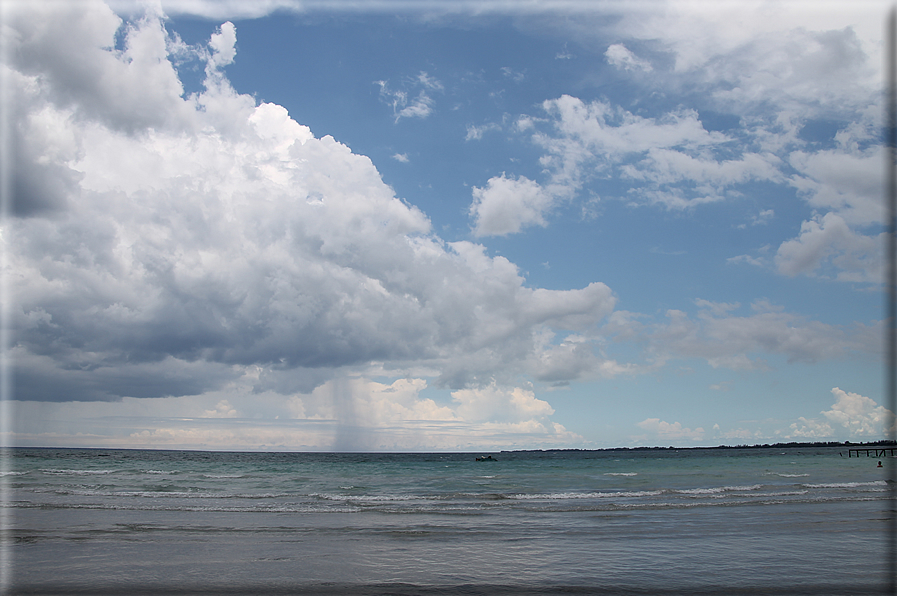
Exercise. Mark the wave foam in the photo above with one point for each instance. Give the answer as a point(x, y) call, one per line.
point(370, 498)
point(847, 484)
point(717, 489)
point(53, 472)
point(599, 495)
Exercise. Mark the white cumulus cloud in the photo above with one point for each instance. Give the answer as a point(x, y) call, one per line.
point(827, 242)
point(507, 205)
point(165, 246)
point(852, 416)
point(860, 415)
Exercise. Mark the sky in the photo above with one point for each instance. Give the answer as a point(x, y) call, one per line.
point(441, 225)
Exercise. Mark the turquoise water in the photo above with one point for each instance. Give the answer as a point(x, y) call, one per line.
point(779, 520)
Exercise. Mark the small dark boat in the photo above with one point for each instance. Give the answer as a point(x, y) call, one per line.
point(486, 458)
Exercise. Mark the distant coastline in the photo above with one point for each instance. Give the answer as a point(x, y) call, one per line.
point(791, 445)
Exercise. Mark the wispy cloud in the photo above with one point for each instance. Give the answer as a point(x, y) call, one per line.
point(475, 133)
point(514, 75)
point(403, 101)
point(563, 54)
point(619, 56)
point(662, 431)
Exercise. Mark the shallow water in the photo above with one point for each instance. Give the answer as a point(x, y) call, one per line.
point(775, 521)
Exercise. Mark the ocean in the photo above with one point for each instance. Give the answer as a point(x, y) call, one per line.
point(779, 520)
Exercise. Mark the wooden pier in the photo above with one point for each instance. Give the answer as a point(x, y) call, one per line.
point(872, 451)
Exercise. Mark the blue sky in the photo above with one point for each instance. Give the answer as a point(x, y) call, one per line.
point(442, 225)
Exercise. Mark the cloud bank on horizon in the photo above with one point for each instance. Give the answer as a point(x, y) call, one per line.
point(197, 268)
